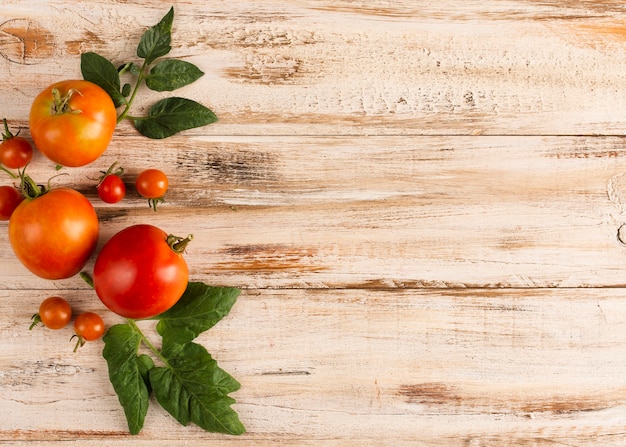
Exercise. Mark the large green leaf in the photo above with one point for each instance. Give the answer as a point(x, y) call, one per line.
point(192, 388)
point(198, 310)
point(172, 74)
point(155, 41)
point(102, 72)
point(172, 115)
point(128, 373)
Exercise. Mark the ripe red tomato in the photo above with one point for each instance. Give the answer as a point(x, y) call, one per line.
point(15, 152)
point(88, 326)
point(54, 313)
point(10, 198)
point(72, 122)
point(140, 272)
point(152, 183)
point(54, 234)
point(111, 189)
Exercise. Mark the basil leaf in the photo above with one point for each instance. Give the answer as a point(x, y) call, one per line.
point(155, 41)
point(127, 371)
point(172, 115)
point(198, 310)
point(169, 75)
point(102, 72)
point(192, 388)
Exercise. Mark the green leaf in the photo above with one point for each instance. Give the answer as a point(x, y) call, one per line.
point(102, 72)
point(127, 372)
point(172, 115)
point(155, 42)
point(169, 75)
point(198, 310)
point(192, 388)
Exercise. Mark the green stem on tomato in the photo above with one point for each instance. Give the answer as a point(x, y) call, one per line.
point(13, 176)
point(130, 101)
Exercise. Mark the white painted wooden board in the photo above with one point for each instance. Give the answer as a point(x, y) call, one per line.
point(420, 201)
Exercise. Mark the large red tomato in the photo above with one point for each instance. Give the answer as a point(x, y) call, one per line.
point(72, 122)
point(140, 272)
point(54, 234)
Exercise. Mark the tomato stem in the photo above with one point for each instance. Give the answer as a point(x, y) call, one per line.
point(29, 188)
point(13, 176)
point(7, 135)
point(140, 77)
point(87, 278)
point(177, 243)
point(61, 104)
point(147, 342)
point(36, 320)
point(79, 343)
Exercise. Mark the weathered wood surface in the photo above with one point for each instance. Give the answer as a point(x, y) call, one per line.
point(421, 201)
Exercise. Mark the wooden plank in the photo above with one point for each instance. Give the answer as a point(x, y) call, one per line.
point(374, 212)
point(363, 68)
point(353, 367)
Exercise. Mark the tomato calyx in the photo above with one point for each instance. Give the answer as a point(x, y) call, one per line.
point(36, 321)
point(7, 135)
point(178, 244)
point(61, 104)
point(119, 171)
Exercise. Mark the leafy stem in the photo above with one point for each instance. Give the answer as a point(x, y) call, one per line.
point(167, 116)
point(143, 339)
point(129, 101)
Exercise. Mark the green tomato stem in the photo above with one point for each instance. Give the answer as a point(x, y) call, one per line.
point(130, 101)
point(147, 342)
point(13, 176)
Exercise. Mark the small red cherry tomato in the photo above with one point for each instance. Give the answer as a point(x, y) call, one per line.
point(10, 198)
point(88, 326)
point(15, 152)
point(111, 189)
point(54, 313)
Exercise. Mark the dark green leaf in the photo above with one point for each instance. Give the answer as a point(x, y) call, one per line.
point(172, 115)
point(102, 72)
point(127, 372)
point(126, 90)
point(171, 74)
point(155, 42)
point(192, 388)
point(198, 310)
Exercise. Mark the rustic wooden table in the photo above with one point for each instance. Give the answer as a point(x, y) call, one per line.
point(419, 200)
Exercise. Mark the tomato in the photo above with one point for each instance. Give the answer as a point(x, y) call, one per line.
point(140, 272)
point(111, 189)
point(88, 326)
point(152, 184)
point(15, 152)
point(54, 313)
point(72, 122)
point(54, 234)
point(10, 198)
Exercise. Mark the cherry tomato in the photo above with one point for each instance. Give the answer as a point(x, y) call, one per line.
point(10, 198)
point(54, 313)
point(88, 326)
point(152, 184)
point(111, 189)
point(54, 234)
point(72, 122)
point(140, 272)
point(15, 152)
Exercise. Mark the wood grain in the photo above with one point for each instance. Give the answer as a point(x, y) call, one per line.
point(420, 200)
